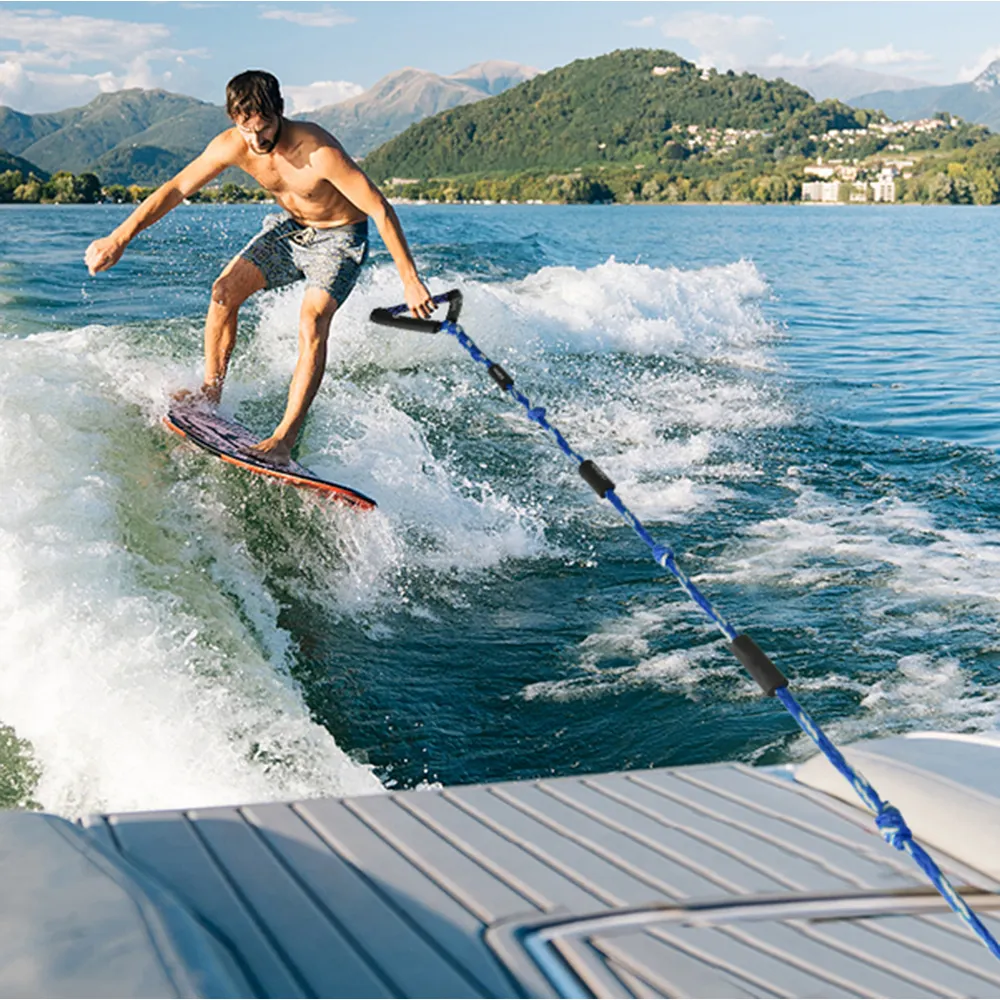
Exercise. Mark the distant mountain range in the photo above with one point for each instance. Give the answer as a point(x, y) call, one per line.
point(900, 97)
point(977, 101)
point(146, 136)
point(409, 95)
point(834, 80)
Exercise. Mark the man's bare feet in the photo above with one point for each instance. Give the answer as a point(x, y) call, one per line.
point(274, 449)
point(210, 394)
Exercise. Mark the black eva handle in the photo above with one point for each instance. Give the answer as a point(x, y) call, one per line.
point(393, 316)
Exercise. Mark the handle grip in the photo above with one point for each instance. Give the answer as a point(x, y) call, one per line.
point(393, 315)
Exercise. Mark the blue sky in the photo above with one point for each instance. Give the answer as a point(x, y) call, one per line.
point(58, 55)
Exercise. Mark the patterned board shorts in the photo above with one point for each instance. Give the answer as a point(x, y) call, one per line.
point(285, 251)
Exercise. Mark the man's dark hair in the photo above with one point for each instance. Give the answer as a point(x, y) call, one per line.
point(254, 92)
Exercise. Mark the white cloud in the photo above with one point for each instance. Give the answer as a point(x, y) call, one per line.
point(888, 55)
point(43, 48)
point(319, 94)
point(12, 76)
point(49, 39)
point(778, 60)
point(967, 73)
point(727, 42)
point(139, 74)
point(28, 90)
point(842, 57)
point(322, 17)
point(644, 22)
point(724, 41)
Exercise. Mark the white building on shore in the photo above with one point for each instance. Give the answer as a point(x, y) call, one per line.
point(846, 186)
point(826, 191)
point(884, 186)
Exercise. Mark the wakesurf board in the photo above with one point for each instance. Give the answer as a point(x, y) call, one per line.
point(202, 424)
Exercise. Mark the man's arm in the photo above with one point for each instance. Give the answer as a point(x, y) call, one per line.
point(355, 185)
point(219, 154)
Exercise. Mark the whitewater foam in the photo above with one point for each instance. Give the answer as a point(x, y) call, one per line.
point(620, 655)
point(823, 541)
point(143, 664)
point(901, 579)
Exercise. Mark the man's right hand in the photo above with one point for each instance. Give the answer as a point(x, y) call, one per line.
point(103, 253)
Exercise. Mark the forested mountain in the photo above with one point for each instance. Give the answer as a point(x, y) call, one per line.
point(630, 104)
point(8, 161)
point(128, 137)
point(647, 112)
point(19, 130)
point(122, 119)
point(147, 165)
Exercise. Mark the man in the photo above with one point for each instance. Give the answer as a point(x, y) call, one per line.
point(322, 237)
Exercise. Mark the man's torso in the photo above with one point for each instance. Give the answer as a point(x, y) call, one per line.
point(296, 184)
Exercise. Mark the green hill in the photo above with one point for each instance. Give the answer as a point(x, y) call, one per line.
point(131, 136)
point(187, 131)
point(146, 165)
point(109, 120)
point(128, 137)
point(152, 165)
point(8, 161)
point(630, 105)
point(19, 130)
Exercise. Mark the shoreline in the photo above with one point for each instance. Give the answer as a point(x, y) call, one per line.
point(680, 204)
point(416, 202)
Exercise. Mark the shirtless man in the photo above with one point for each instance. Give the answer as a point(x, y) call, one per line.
point(322, 236)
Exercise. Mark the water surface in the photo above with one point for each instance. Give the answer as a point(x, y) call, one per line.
point(801, 400)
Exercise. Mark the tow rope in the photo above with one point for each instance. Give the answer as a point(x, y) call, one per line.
point(771, 680)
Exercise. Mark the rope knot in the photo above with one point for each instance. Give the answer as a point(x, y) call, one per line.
point(893, 827)
point(536, 413)
point(661, 554)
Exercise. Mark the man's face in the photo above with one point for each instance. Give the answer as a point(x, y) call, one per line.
point(259, 132)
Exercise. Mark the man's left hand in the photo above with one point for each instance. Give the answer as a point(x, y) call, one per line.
point(419, 300)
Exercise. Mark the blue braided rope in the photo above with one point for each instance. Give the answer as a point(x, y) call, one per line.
point(661, 553)
point(888, 819)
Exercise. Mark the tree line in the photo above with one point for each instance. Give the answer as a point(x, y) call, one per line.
point(65, 188)
point(953, 174)
point(956, 172)
point(62, 188)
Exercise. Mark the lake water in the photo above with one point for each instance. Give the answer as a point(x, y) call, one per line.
point(802, 401)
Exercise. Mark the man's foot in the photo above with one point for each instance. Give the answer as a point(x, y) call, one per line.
point(274, 449)
point(209, 394)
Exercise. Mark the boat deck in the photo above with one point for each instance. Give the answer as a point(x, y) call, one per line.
point(719, 880)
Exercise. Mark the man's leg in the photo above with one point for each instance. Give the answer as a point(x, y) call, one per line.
point(232, 288)
point(317, 312)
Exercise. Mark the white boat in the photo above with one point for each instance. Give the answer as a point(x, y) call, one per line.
point(719, 880)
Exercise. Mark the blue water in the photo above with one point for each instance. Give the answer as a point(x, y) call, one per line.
point(801, 400)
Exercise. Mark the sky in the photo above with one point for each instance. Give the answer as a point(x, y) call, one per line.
point(59, 55)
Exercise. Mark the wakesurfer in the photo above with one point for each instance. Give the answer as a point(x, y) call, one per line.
point(322, 236)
